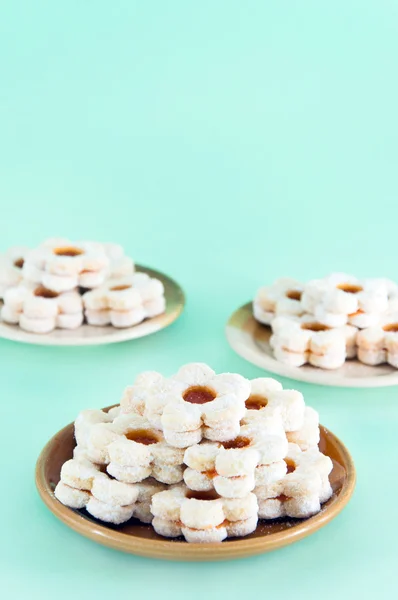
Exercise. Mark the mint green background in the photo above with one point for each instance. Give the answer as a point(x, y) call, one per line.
point(226, 143)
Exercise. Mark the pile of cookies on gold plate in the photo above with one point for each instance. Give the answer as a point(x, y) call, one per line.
point(326, 321)
point(198, 455)
point(61, 284)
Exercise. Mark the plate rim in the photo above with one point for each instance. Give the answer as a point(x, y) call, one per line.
point(182, 551)
point(318, 377)
point(7, 332)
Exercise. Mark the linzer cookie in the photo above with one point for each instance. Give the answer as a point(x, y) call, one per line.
point(282, 297)
point(61, 265)
point(40, 310)
point(203, 517)
point(302, 489)
point(125, 302)
point(379, 344)
point(298, 342)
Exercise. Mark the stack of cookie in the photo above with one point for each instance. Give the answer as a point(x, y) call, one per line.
point(61, 265)
point(283, 297)
point(340, 299)
point(318, 322)
point(40, 310)
point(306, 340)
point(209, 453)
point(125, 302)
point(60, 283)
point(379, 344)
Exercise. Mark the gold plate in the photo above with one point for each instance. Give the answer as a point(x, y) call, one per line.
point(250, 339)
point(89, 335)
point(137, 538)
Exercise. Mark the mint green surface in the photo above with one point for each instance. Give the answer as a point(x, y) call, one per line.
point(225, 143)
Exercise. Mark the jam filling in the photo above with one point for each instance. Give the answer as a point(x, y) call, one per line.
point(225, 523)
point(238, 442)
point(282, 498)
point(393, 327)
point(210, 495)
point(350, 288)
point(211, 473)
point(314, 327)
point(256, 402)
point(142, 436)
point(43, 292)
point(355, 314)
point(294, 294)
point(120, 288)
point(198, 394)
point(19, 263)
point(291, 466)
point(68, 251)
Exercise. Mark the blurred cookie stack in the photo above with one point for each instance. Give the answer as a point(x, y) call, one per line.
point(60, 283)
point(326, 321)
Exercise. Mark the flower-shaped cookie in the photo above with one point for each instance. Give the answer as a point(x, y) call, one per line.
point(202, 516)
point(342, 298)
point(132, 450)
point(232, 468)
point(298, 342)
point(40, 310)
point(11, 264)
point(283, 297)
point(268, 398)
point(109, 496)
point(301, 491)
point(125, 302)
point(378, 345)
point(307, 436)
point(148, 396)
point(85, 420)
point(84, 485)
point(208, 406)
point(300, 422)
point(60, 265)
point(120, 265)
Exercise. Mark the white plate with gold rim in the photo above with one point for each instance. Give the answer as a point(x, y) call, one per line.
point(250, 340)
point(88, 335)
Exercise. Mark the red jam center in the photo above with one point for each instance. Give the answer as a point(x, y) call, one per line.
point(256, 402)
point(120, 288)
point(198, 394)
point(68, 251)
point(393, 327)
point(19, 263)
point(314, 327)
point(350, 288)
point(210, 495)
point(238, 442)
point(211, 474)
point(282, 498)
point(294, 294)
point(142, 436)
point(291, 466)
point(43, 292)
